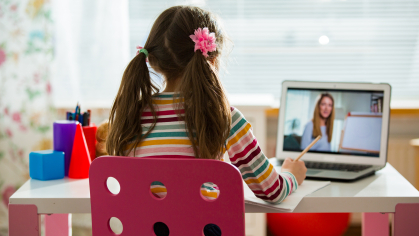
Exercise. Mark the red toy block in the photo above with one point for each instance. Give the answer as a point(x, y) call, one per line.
point(80, 157)
point(90, 135)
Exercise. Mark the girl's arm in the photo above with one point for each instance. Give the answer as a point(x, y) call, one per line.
point(260, 175)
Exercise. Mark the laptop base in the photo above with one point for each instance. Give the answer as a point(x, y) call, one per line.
point(340, 179)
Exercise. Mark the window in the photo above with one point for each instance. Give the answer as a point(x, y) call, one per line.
point(275, 40)
point(91, 51)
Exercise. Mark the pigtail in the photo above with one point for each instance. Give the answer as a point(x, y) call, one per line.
point(134, 95)
point(207, 110)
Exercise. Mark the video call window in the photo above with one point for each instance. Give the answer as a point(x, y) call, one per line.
point(348, 121)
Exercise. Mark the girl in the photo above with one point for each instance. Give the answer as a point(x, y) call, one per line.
point(191, 117)
point(321, 124)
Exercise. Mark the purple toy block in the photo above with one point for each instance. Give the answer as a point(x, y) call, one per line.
point(46, 165)
point(64, 131)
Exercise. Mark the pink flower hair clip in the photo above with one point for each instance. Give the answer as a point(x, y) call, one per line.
point(204, 41)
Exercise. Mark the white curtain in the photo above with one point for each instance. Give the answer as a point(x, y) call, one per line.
point(91, 51)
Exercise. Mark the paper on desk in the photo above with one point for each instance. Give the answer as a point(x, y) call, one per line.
point(290, 202)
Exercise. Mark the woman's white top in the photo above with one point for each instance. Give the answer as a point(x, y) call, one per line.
point(322, 145)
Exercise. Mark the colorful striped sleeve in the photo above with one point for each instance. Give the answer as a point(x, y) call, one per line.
point(260, 175)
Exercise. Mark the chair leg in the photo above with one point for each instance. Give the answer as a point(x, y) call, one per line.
point(24, 220)
point(405, 221)
point(58, 224)
point(375, 224)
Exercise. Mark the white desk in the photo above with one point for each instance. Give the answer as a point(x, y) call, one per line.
point(380, 193)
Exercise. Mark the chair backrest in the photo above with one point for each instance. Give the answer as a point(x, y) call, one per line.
point(183, 210)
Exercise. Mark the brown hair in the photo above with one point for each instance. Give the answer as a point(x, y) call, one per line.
point(171, 53)
point(329, 120)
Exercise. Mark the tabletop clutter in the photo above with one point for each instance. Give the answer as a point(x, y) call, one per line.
point(74, 148)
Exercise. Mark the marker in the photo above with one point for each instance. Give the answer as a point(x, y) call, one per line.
point(68, 116)
point(88, 117)
point(77, 112)
point(80, 119)
point(85, 118)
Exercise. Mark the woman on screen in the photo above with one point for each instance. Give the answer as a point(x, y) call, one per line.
point(321, 124)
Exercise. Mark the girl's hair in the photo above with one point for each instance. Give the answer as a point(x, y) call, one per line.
point(171, 52)
point(329, 120)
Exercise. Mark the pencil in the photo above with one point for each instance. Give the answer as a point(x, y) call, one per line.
point(308, 148)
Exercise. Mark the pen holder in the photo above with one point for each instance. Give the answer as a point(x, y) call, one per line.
point(90, 135)
point(64, 132)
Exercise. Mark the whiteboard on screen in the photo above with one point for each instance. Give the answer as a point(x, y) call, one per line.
point(362, 133)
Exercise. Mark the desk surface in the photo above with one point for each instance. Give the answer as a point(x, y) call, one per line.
point(378, 193)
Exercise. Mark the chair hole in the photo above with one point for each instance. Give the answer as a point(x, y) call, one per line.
point(212, 230)
point(113, 185)
point(158, 190)
point(161, 229)
point(116, 225)
point(209, 191)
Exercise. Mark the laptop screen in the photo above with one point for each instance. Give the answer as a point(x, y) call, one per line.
point(349, 121)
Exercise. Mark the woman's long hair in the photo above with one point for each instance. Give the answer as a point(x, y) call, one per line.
point(329, 120)
point(171, 52)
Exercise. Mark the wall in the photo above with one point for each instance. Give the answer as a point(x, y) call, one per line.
point(26, 113)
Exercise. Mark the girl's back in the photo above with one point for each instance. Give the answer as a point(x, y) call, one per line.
point(169, 136)
point(192, 117)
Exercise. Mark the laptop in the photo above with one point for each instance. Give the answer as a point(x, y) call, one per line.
point(352, 119)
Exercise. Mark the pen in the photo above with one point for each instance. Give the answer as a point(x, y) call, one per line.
point(308, 148)
point(80, 119)
point(88, 117)
point(76, 112)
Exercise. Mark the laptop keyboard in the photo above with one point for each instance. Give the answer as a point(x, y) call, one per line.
point(333, 166)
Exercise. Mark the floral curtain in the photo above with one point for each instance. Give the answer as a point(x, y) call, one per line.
point(26, 111)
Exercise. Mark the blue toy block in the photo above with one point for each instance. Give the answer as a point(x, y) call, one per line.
point(46, 165)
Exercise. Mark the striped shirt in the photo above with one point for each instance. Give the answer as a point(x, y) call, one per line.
point(169, 138)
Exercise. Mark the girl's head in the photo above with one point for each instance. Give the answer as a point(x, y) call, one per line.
point(171, 53)
point(170, 46)
point(324, 110)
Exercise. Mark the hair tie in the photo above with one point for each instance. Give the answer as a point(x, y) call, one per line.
point(204, 41)
point(142, 50)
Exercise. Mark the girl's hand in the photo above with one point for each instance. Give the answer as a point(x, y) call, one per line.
point(298, 169)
